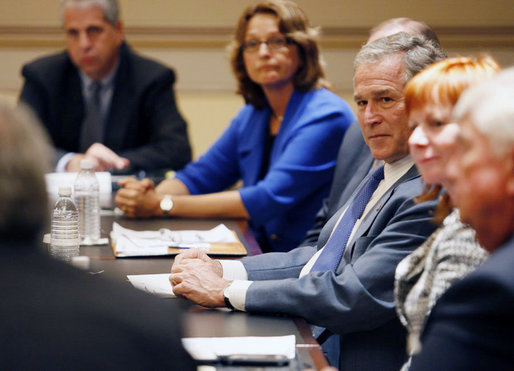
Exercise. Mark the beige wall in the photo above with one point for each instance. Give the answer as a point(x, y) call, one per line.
point(190, 36)
point(361, 13)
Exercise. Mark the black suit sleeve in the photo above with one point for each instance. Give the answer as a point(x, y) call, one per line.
point(167, 144)
point(43, 91)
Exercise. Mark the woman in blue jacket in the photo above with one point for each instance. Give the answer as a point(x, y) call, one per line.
point(282, 144)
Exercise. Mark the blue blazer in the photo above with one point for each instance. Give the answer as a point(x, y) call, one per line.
point(282, 206)
point(471, 327)
point(357, 301)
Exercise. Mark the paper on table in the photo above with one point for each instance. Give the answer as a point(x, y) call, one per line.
point(136, 243)
point(208, 349)
point(158, 284)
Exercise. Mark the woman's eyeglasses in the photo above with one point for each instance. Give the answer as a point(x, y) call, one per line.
point(273, 43)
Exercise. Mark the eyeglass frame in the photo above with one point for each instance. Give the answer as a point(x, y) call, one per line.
point(268, 42)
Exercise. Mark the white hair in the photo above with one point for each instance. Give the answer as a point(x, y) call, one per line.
point(490, 107)
point(110, 8)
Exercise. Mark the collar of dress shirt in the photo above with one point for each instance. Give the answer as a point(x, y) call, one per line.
point(107, 81)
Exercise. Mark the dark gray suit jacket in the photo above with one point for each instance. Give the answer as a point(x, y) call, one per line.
point(354, 160)
point(143, 122)
point(356, 301)
point(471, 327)
point(57, 317)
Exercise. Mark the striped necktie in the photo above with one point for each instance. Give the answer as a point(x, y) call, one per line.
point(331, 255)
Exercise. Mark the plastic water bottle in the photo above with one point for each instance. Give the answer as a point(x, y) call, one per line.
point(64, 238)
point(87, 198)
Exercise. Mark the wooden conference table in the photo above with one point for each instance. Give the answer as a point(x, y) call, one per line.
point(202, 322)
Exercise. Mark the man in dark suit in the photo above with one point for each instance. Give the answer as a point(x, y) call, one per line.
point(356, 299)
point(100, 100)
point(55, 316)
point(471, 327)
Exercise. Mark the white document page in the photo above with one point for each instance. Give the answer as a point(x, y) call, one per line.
point(157, 284)
point(208, 349)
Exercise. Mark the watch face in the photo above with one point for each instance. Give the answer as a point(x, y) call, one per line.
point(166, 204)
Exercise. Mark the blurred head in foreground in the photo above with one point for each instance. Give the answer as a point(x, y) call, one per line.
point(24, 160)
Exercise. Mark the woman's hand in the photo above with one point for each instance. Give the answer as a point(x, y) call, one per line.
point(138, 198)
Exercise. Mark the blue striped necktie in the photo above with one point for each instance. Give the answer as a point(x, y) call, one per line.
point(331, 255)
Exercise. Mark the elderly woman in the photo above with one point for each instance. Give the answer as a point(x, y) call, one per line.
point(452, 250)
point(282, 144)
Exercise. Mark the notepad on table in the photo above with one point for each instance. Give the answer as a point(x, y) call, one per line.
point(217, 241)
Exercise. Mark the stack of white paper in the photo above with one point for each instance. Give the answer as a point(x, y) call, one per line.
point(153, 243)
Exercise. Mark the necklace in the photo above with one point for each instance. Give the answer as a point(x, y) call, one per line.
point(277, 117)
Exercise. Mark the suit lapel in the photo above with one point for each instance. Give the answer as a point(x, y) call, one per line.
point(375, 211)
point(120, 111)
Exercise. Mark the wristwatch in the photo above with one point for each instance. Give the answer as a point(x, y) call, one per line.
point(166, 204)
point(228, 304)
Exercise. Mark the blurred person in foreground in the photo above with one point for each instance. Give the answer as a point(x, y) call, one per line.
point(282, 144)
point(452, 251)
point(350, 292)
point(100, 100)
point(471, 327)
point(55, 316)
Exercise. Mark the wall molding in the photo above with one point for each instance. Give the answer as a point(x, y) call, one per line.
point(18, 36)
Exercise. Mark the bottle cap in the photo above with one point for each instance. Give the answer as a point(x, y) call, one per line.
point(86, 164)
point(65, 191)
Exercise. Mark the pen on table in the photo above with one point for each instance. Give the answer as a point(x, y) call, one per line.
point(192, 245)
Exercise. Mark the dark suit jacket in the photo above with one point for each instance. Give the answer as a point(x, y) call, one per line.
point(472, 325)
point(55, 316)
point(353, 163)
point(143, 123)
point(356, 301)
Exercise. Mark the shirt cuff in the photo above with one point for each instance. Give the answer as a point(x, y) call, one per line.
point(236, 293)
point(233, 270)
point(63, 161)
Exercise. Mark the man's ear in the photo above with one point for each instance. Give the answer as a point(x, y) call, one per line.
point(120, 31)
